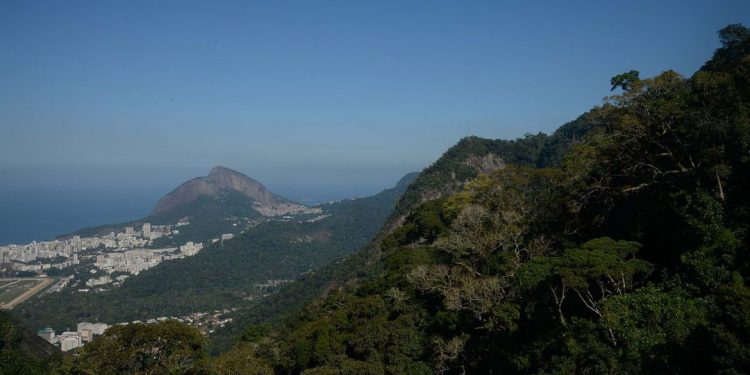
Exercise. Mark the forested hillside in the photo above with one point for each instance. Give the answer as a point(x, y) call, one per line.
point(629, 255)
point(21, 351)
point(466, 160)
point(473, 156)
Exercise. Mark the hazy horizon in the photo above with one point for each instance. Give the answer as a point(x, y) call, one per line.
point(39, 208)
point(318, 101)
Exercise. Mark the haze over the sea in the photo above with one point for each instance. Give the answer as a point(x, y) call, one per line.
point(106, 106)
point(41, 204)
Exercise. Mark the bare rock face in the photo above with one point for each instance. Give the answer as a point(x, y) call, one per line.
point(219, 179)
point(486, 163)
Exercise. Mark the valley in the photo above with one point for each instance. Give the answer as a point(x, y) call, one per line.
point(215, 254)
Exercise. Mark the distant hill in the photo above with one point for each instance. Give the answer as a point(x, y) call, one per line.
point(218, 181)
point(207, 202)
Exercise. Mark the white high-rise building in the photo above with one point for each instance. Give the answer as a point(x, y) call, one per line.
point(70, 341)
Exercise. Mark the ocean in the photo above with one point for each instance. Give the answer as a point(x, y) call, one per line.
point(42, 214)
point(36, 206)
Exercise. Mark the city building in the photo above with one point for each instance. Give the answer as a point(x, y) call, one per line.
point(190, 248)
point(70, 340)
point(86, 335)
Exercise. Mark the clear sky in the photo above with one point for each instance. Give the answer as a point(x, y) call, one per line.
point(311, 97)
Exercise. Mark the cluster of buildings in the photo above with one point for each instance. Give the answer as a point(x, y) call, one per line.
point(206, 322)
point(39, 257)
point(137, 260)
point(124, 252)
point(69, 340)
point(114, 257)
point(133, 261)
point(287, 209)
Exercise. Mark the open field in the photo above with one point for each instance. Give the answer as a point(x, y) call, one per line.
point(14, 291)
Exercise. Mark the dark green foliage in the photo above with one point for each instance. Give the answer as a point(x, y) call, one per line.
point(625, 80)
point(292, 296)
point(473, 156)
point(21, 351)
point(164, 348)
point(563, 138)
point(240, 360)
point(356, 332)
point(623, 251)
point(734, 47)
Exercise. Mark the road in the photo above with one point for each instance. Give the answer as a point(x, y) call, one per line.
point(43, 283)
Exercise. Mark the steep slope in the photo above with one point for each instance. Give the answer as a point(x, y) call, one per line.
point(21, 351)
point(461, 163)
point(469, 158)
point(311, 284)
point(473, 156)
point(630, 255)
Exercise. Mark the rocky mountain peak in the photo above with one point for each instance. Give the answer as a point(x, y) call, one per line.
point(219, 171)
point(219, 179)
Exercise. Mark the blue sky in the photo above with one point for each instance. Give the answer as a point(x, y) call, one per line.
point(310, 97)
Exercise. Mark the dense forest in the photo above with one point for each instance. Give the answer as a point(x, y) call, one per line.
point(627, 254)
point(616, 245)
point(22, 351)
